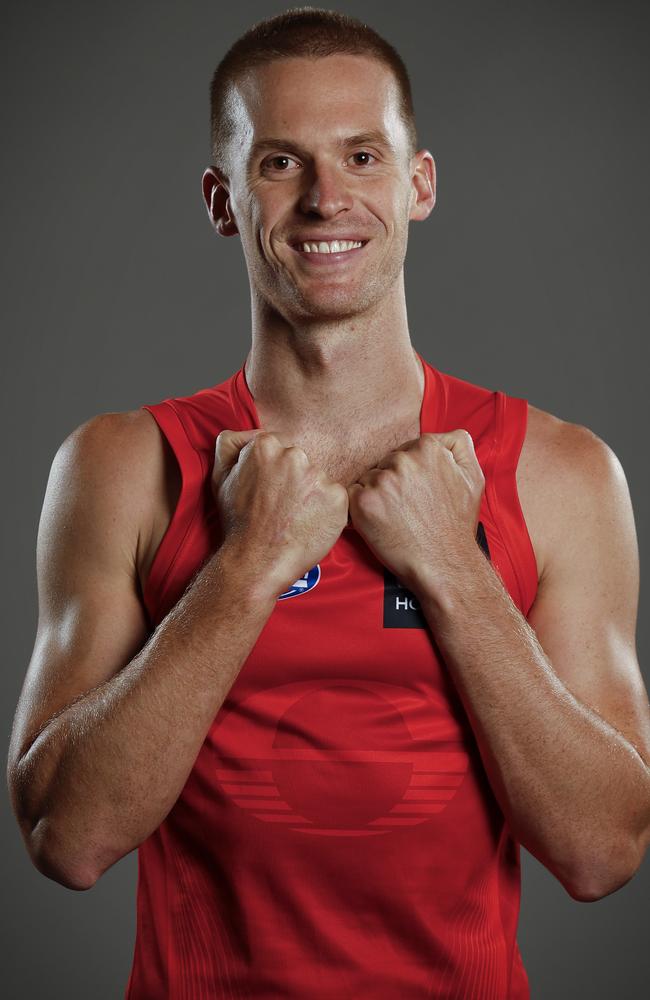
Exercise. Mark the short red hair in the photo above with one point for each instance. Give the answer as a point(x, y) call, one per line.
point(300, 31)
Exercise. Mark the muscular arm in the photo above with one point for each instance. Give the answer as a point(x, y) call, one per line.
point(558, 703)
point(110, 720)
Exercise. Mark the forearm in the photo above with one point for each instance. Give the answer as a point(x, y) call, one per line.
point(574, 791)
point(107, 770)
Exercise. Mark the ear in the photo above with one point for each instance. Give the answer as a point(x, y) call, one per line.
point(423, 181)
point(217, 201)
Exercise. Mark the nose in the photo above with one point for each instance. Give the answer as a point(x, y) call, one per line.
point(327, 190)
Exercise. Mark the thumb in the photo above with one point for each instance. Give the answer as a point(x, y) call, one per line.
point(461, 445)
point(353, 491)
point(227, 448)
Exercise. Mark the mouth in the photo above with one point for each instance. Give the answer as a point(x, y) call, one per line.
point(328, 252)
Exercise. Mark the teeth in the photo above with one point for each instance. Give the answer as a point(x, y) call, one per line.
point(335, 246)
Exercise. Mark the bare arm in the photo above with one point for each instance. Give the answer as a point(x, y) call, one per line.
point(107, 730)
point(557, 702)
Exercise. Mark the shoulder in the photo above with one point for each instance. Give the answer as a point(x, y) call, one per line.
point(567, 475)
point(111, 451)
point(572, 448)
point(132, 428)
point(114, 468)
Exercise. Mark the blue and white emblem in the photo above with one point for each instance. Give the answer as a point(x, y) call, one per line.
point(303, 584)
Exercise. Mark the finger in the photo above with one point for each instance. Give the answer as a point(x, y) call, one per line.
point(389, 457)
point(461, 445)
point(408, 445)
point(353, 491)
point(369, 477)
point(227, 448)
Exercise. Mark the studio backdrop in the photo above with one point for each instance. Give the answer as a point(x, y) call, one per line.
point(529, 276)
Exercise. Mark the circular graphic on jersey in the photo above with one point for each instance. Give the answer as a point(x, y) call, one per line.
point(339, 759)
point(306, 582)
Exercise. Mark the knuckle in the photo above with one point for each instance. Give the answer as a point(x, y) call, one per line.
point(297, 452)
point(265, 441)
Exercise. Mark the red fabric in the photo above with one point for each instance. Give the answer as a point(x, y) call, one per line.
point(337, 836)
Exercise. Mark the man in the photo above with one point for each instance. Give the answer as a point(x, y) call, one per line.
point(329, 640)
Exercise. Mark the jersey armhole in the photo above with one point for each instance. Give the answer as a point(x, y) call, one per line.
point(191, 471)
point(511, 424)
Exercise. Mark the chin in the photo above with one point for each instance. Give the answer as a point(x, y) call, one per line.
point(332, 305)
point(330, 310)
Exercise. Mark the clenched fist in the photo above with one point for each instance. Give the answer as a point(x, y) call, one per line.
point(418, 508)
point(280, 513)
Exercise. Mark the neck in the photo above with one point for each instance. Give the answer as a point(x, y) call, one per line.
point(345, 370)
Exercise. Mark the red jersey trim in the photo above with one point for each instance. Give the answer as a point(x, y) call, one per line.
point(191, 467)
point(511, 420)
point(433, 407)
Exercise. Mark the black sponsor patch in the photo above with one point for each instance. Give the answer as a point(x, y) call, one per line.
point(401, 607)
point(481, 539)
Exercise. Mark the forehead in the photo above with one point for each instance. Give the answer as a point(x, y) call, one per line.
point(325, 96)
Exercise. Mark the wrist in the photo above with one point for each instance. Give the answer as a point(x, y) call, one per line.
point(443, 582)
point(250, 583)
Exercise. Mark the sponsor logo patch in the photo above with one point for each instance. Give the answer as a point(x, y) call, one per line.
point(306, 582)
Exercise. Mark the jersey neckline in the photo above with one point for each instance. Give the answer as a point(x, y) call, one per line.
point(432, 406)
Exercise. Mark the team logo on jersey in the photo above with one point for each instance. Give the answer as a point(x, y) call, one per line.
point(341, 758)
point(306, 582)
point(401, 607)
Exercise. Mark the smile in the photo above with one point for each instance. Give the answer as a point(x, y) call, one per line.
point(332, 246)
point(329, 252)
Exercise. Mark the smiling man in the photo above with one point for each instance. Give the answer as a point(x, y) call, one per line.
point(329, 640)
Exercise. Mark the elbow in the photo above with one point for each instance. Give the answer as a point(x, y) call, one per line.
point(604, 876)
point(48, 849)
point(66, 876)
point(591, 892)
point(60, 865)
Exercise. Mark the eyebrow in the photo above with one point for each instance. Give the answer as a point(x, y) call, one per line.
point(370, 137)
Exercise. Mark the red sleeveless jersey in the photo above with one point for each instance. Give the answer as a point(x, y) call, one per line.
point(337, 836)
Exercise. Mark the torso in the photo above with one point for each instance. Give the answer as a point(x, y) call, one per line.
point(345, 465)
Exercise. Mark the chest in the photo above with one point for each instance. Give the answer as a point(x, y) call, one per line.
point(345, 461)
point(346, 457)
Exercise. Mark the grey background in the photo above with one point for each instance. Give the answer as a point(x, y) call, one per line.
point(527, 277)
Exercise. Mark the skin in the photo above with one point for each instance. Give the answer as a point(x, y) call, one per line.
point(313, 328)
point(415, 507)
point(557, 702)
